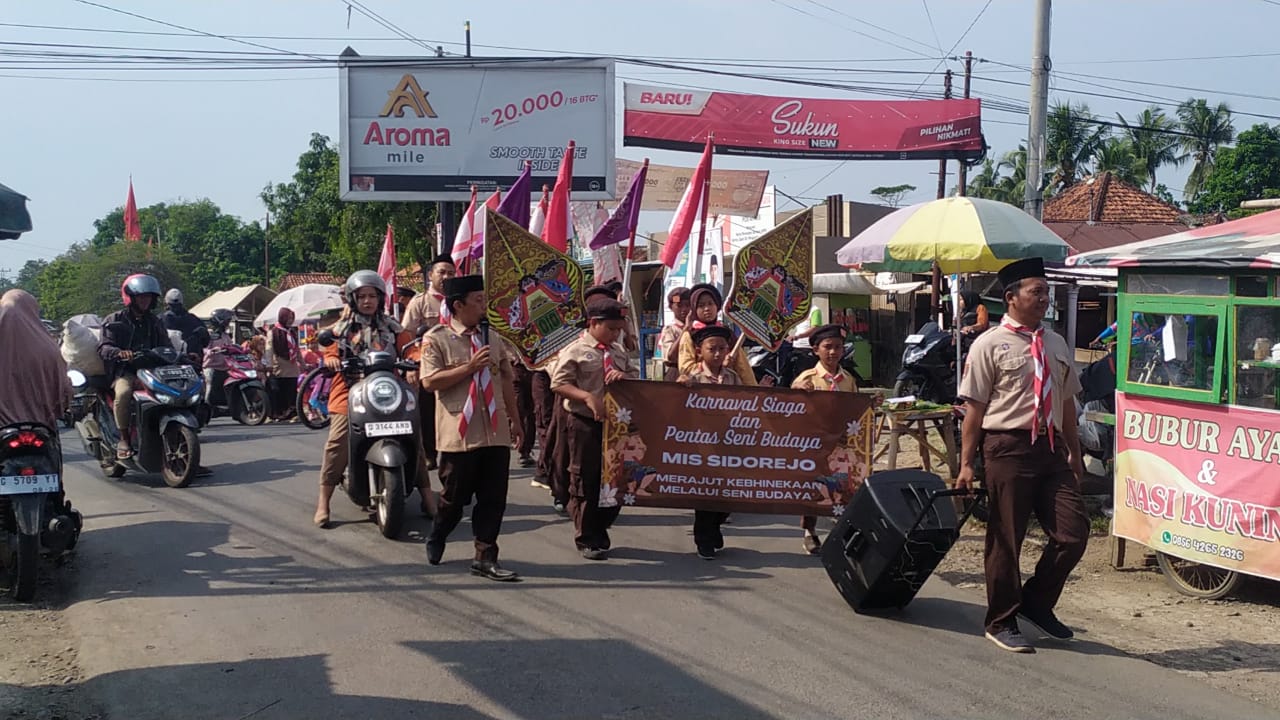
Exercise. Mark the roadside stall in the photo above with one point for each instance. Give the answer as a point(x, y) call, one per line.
point(1198, 401)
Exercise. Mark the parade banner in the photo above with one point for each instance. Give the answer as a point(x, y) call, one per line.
point(773, 282)
point(1198, 482)
point(734, 448)
point(534, 292)
point(829, 128)
point(733, 192)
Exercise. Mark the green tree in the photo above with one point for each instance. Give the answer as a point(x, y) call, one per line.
point(1117, 156)
point(1073, 140)
point(986, 182)
point(892, 195)
point(322, 233)
point(1250, 170)
point(86, 279)
point(1151, 136)
point(1209, 129)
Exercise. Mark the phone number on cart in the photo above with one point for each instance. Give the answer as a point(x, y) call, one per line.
point(1205, 548)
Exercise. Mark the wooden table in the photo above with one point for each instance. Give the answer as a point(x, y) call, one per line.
point(916, 424)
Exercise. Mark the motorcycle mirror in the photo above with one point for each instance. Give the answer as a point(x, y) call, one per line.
point(77, 378)
point(325, 338)
point(422, 330)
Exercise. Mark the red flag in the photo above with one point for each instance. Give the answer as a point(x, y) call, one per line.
point(478, 225)
point(689, 211)
point(387, 267)
point(462, 241)
point(556, 230)
point(132, 228)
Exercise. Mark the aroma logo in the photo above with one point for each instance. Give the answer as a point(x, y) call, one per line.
point(407, 94)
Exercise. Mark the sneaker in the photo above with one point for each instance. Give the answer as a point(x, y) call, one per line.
point(812, 544)
point(539, 483)
point(526, 461)
point(707, 552)
point(1048, 623)
point(1012, 640)
point(595, 554)
point(560, 508)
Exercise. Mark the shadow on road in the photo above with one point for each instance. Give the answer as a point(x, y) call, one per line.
point(584, 678)
point(274, 689)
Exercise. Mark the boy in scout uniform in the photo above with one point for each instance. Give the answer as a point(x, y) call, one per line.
point(425, 310)
point(472, 378)
point(594, 360)
point(1019, 385)
point(669, 340)
point(713, 344)
point(827, 342)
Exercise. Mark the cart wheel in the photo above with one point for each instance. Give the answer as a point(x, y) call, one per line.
point(1202, 581)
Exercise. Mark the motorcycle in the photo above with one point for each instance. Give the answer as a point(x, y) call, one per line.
point(382, 434)
point(929, 365)
point(236, 392)
point(34, 513)
point(163, 427)
point(1098, 394)
point(786, 363)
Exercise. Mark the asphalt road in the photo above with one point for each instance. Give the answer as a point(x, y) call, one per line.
point(221, 600)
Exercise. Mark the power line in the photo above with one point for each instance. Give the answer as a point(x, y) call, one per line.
point(802, 11)
point(959, 40)
point(182, 27)
point(363, 10)
point(933, 28)
point(881, 28)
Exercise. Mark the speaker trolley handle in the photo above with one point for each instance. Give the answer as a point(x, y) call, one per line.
point(976, 493)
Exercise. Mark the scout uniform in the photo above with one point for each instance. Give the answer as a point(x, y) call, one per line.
point(669, 338)
point(474, 442)
point(582, 364)
point(821, 381)
point(426, 308)
point(688, 358)
point(1026, 465)
point(707, 536)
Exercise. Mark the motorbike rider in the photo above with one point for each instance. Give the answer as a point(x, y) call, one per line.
point(220, 343)
point(33, 376)
point(127, 334)
point(364, 325)
point(194, 333)
point(971, 315)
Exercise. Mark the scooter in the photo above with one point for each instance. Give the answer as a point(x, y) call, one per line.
point(35, 516)
point(929, 365)
point(163, 425)
point(382, 415)
point(236, 392)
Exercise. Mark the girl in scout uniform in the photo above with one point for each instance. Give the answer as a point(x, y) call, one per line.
point(706, 302)
point(713, 345)
point(827, 376)
point(594, 360)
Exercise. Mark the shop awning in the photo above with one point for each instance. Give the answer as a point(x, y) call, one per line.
point(14, 218)
point(249, 299)
point(1248, 243)
point(856, 283)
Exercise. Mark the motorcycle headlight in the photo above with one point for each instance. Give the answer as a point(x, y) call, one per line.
point(384, 395)
point(251, 373)
point(147, 377)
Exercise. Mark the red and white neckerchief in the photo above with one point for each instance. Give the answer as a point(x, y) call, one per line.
point(481, 387)
point(706, 372)
point(445, 313)
point(605, 357)
point(833, 381)
point(1043, 385)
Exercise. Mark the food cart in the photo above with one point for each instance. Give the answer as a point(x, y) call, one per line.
point(1197, 467)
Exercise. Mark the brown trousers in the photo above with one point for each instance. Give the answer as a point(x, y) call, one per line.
point(526, 409)
point(1024, 478)
point(591, 523)
point(427, 421)
point(484, 474)
point(553, 459)
point(333, 464)
point(544, 402)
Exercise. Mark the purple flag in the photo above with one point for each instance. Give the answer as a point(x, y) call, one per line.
point(625, 217)
point(515, 206)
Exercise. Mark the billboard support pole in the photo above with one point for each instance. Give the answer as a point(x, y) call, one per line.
point(962, 175)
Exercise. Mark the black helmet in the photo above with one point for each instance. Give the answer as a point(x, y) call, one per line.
point(363, 279)
point(221, 319)
point(173, 297)
point(136, 285)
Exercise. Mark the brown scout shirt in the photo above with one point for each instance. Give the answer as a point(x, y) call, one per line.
point(582, 366)
point(818, 376)
point(1000, 374)
point(703, 376)
point(669, 342)
point(448, 346)
point(423, 309)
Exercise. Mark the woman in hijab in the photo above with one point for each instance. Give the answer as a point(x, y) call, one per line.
point(286, 365)
point(33, 376)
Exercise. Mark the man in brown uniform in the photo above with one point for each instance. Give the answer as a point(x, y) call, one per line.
point(425, 309)
point(594, 360)
point(1019, 385)
point(471, 376)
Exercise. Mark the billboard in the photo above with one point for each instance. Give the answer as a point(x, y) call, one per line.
point(429, 129)
point(733, 192)
point(788, 127)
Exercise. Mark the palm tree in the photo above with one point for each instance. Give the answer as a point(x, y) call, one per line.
point(1013, 186)
point(986, 182)
point(1118, 156)
point(1152, 137)
point(1208, 129)
point(1073, 140)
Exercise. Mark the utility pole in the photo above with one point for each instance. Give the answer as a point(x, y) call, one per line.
point(467, 27)
point(962, 175)
point(266, 253)
point(1033, 202)
point(942, 162)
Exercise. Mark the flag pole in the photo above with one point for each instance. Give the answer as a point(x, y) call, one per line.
point(631, 247)
point(706, 196)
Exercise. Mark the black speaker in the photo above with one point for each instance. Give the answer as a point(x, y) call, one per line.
point(895, 531)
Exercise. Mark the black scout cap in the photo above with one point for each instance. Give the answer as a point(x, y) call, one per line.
point(711, 331)
point(826, 331)
point(598, 291)
point(442, 259)
point(1020, 270)
point(458, 287)
point(606, 309)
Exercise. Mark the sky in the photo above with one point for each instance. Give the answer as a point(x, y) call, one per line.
point(71, 136)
